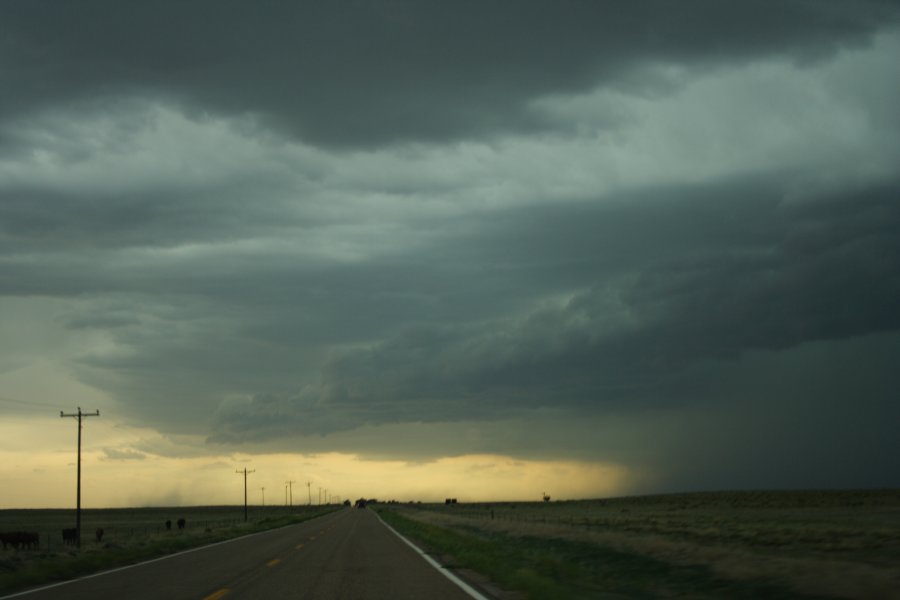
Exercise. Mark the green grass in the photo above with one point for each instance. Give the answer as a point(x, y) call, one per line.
point(132, 535)
point(708, 545)
point(546, 568)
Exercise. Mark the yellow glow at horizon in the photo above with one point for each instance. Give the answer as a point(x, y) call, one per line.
point(39, 458)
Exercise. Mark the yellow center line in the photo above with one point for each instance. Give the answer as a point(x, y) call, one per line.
point(273, 562)
point(217, 595)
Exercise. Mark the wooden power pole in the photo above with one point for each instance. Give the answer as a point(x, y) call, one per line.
point(290, 485)
point(245, 472)
point(78, 416)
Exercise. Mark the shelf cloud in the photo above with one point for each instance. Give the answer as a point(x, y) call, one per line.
point(659, 235)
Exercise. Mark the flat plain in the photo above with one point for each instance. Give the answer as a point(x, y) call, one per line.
point(803, 544)
point(344, 554)
point(130, 535)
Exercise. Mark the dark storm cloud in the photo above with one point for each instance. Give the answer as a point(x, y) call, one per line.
point(365, 73)
point(38, 219)
point(750, 274)
point(635, 232)
point(832, 275)
point(815, 416)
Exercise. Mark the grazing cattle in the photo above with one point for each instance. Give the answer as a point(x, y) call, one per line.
point(99, 534)
point(181, 523)
point(30, 539)
point(70, 536)
point(168, 524)
point(20, 539)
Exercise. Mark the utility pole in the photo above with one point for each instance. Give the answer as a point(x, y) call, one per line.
point(79, 415)
point(320, 496)
point(290, 485)
point(308, 494)
point(245, 472)
point(263, 489)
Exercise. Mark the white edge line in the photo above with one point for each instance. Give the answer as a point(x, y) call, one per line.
point(147, 562)
point(441, 569)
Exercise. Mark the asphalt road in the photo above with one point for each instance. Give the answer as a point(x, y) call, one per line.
point(349, 554)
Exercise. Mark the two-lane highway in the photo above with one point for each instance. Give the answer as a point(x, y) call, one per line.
point(347, 554)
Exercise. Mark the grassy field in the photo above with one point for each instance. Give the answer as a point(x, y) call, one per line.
point(130, 535)
point(841, 544)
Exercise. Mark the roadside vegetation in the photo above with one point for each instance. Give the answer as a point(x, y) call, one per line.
point(129, 536)
point(840, 544)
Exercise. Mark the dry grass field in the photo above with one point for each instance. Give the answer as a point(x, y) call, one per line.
point(837, 544)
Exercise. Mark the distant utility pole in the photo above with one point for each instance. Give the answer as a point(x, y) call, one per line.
point(290, 485)
point(308, 494)
point(320, 496)
point(78, 416)
point(263, 490)
point(245, 472)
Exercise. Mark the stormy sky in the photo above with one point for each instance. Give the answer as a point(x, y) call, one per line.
point(659, 236)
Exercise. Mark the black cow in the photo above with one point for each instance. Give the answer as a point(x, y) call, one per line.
point(99, 534)
point(168, 524)
point(20, 539)
point(181, 523)
point(70, 536)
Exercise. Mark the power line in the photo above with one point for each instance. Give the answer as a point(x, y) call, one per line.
point(26, 402)
point(25, 405)
point(79, 416)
